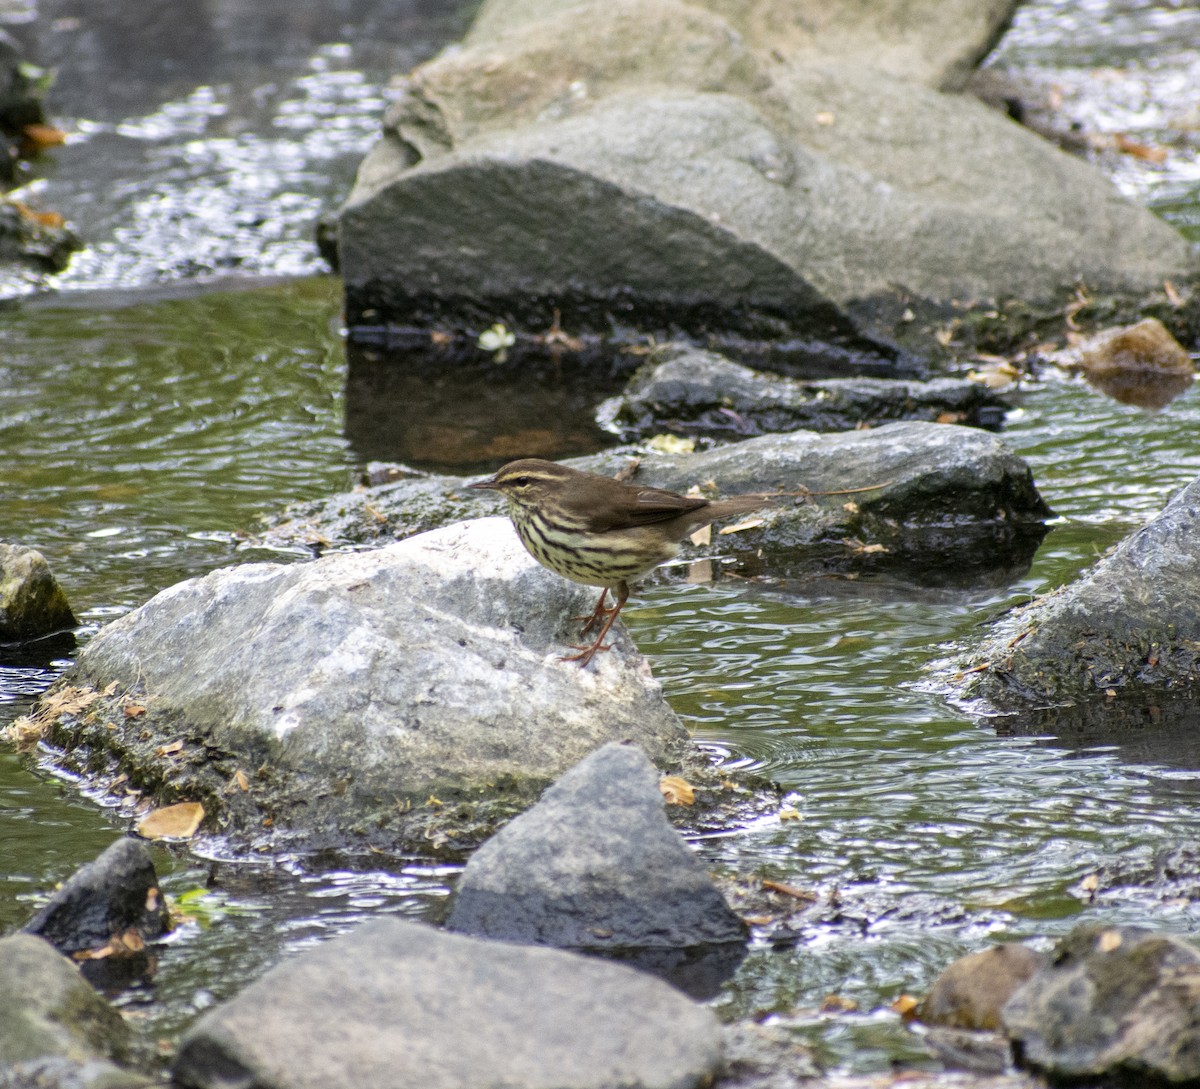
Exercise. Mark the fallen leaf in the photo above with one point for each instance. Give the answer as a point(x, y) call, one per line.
point(906, 1006)
point(836, 1003)
point(870, 549)
point(133, 710)
point(41, 136)
point(790, 815)
point(672, 444)
point(169, 749)
point(242, 783)
point(1138, 150)
point(1108, 941)
point(676, 790)
point(702, 536)
point(180, 821)
point(788, 890)
point(749, 523)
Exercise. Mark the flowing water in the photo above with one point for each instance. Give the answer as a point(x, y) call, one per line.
point(143, 436)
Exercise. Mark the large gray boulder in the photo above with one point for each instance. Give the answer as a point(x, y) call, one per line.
point(402, 1005)
point(385, 695)
point(1130, 623)
point(594, 865)
point(659, 164)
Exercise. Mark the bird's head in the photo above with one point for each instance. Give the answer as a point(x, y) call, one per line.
point(527, 482)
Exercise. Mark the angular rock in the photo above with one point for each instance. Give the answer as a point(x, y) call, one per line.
point(696, 392)
point(32, 604)
point(594, 865)
point(116, 896)
point(940, 502)
point(1114, 1004)
point(403, 1005)
point(1131, 622)
point(646, 165)
point(365, 695)
point(48, 1009)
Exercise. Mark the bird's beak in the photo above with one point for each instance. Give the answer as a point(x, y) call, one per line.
point(485, 484)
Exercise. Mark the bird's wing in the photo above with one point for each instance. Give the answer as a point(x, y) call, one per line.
point(649, 506)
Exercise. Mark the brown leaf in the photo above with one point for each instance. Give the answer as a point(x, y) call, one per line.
point(906, 1006)
point(180, 821)
point(676, 790)
point(788, 890)
point(41, 136)
point(133, 710)
point(169, 749)
point(1138, 150)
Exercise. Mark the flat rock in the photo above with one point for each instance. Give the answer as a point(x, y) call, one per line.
point(1130, 623)
point(32, 604)
point(594, 865)
point(694, 392)
point(400, 1004)
point(363, 696)
point(906, 497)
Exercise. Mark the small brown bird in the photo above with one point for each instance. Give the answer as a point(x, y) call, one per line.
point(600, 531)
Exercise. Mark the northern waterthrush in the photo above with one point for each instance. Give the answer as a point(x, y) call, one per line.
point(600, 531)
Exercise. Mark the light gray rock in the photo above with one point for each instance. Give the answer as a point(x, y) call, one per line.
point(594, 865)
point(649, 164)
point(1114, 1005)
point(32, 604)
point(56, 1072)
point(402, 1005)
point(1132, 622)
point(700, 393)
point(47, 1009)
point(363, 691)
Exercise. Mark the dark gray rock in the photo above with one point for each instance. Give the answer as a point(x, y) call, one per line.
point(386, 695)
point(594, 865)
point(1114, 1004)
point(659, 166)
point(403, 1005)
point(32, 604)
point(116, 896)
point(696, 392)
point(1132, 622)
point(929, 501)
point(48, 1009)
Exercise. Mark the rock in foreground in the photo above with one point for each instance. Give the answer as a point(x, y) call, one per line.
point(399, 1004)
point(367, 695)
point(594, 865)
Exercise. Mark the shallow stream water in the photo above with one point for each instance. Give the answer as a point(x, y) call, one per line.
point(144, 435)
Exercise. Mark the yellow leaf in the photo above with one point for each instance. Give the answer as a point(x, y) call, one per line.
point(179, 821)
point(676, 790)
point(790, 815)
point(671, 444)
point(905, 1006)
point(749, 523)
point(1109, 940)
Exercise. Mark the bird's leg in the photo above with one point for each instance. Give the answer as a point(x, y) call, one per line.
point(598, 613)
point(586, 653)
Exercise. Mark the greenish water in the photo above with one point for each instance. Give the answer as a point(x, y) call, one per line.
point(142, 441)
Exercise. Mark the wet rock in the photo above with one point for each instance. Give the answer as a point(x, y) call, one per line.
point(660, 166)
point(766, 1057)
point(1115, 1004)
point(397, 695)
point(106, 912)
point(48, 1009)
point(971, 992)
point(907, 497)
point(1133, 622)
point(32, 604)
point(594, 865)
point(414, 1008)
point(1140, 364)
point(61, 1073)
point(696, 392)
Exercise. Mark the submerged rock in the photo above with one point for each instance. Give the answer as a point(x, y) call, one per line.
point(32, 604)
point(933, 502)
point(661, 166)
point(1131, 622)
point(696, 392)
point(594, 865)
point(405, 695)
point(403, 1005)
point(1115, 1005)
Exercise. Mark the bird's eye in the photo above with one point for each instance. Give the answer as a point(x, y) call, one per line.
point(522, 482)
